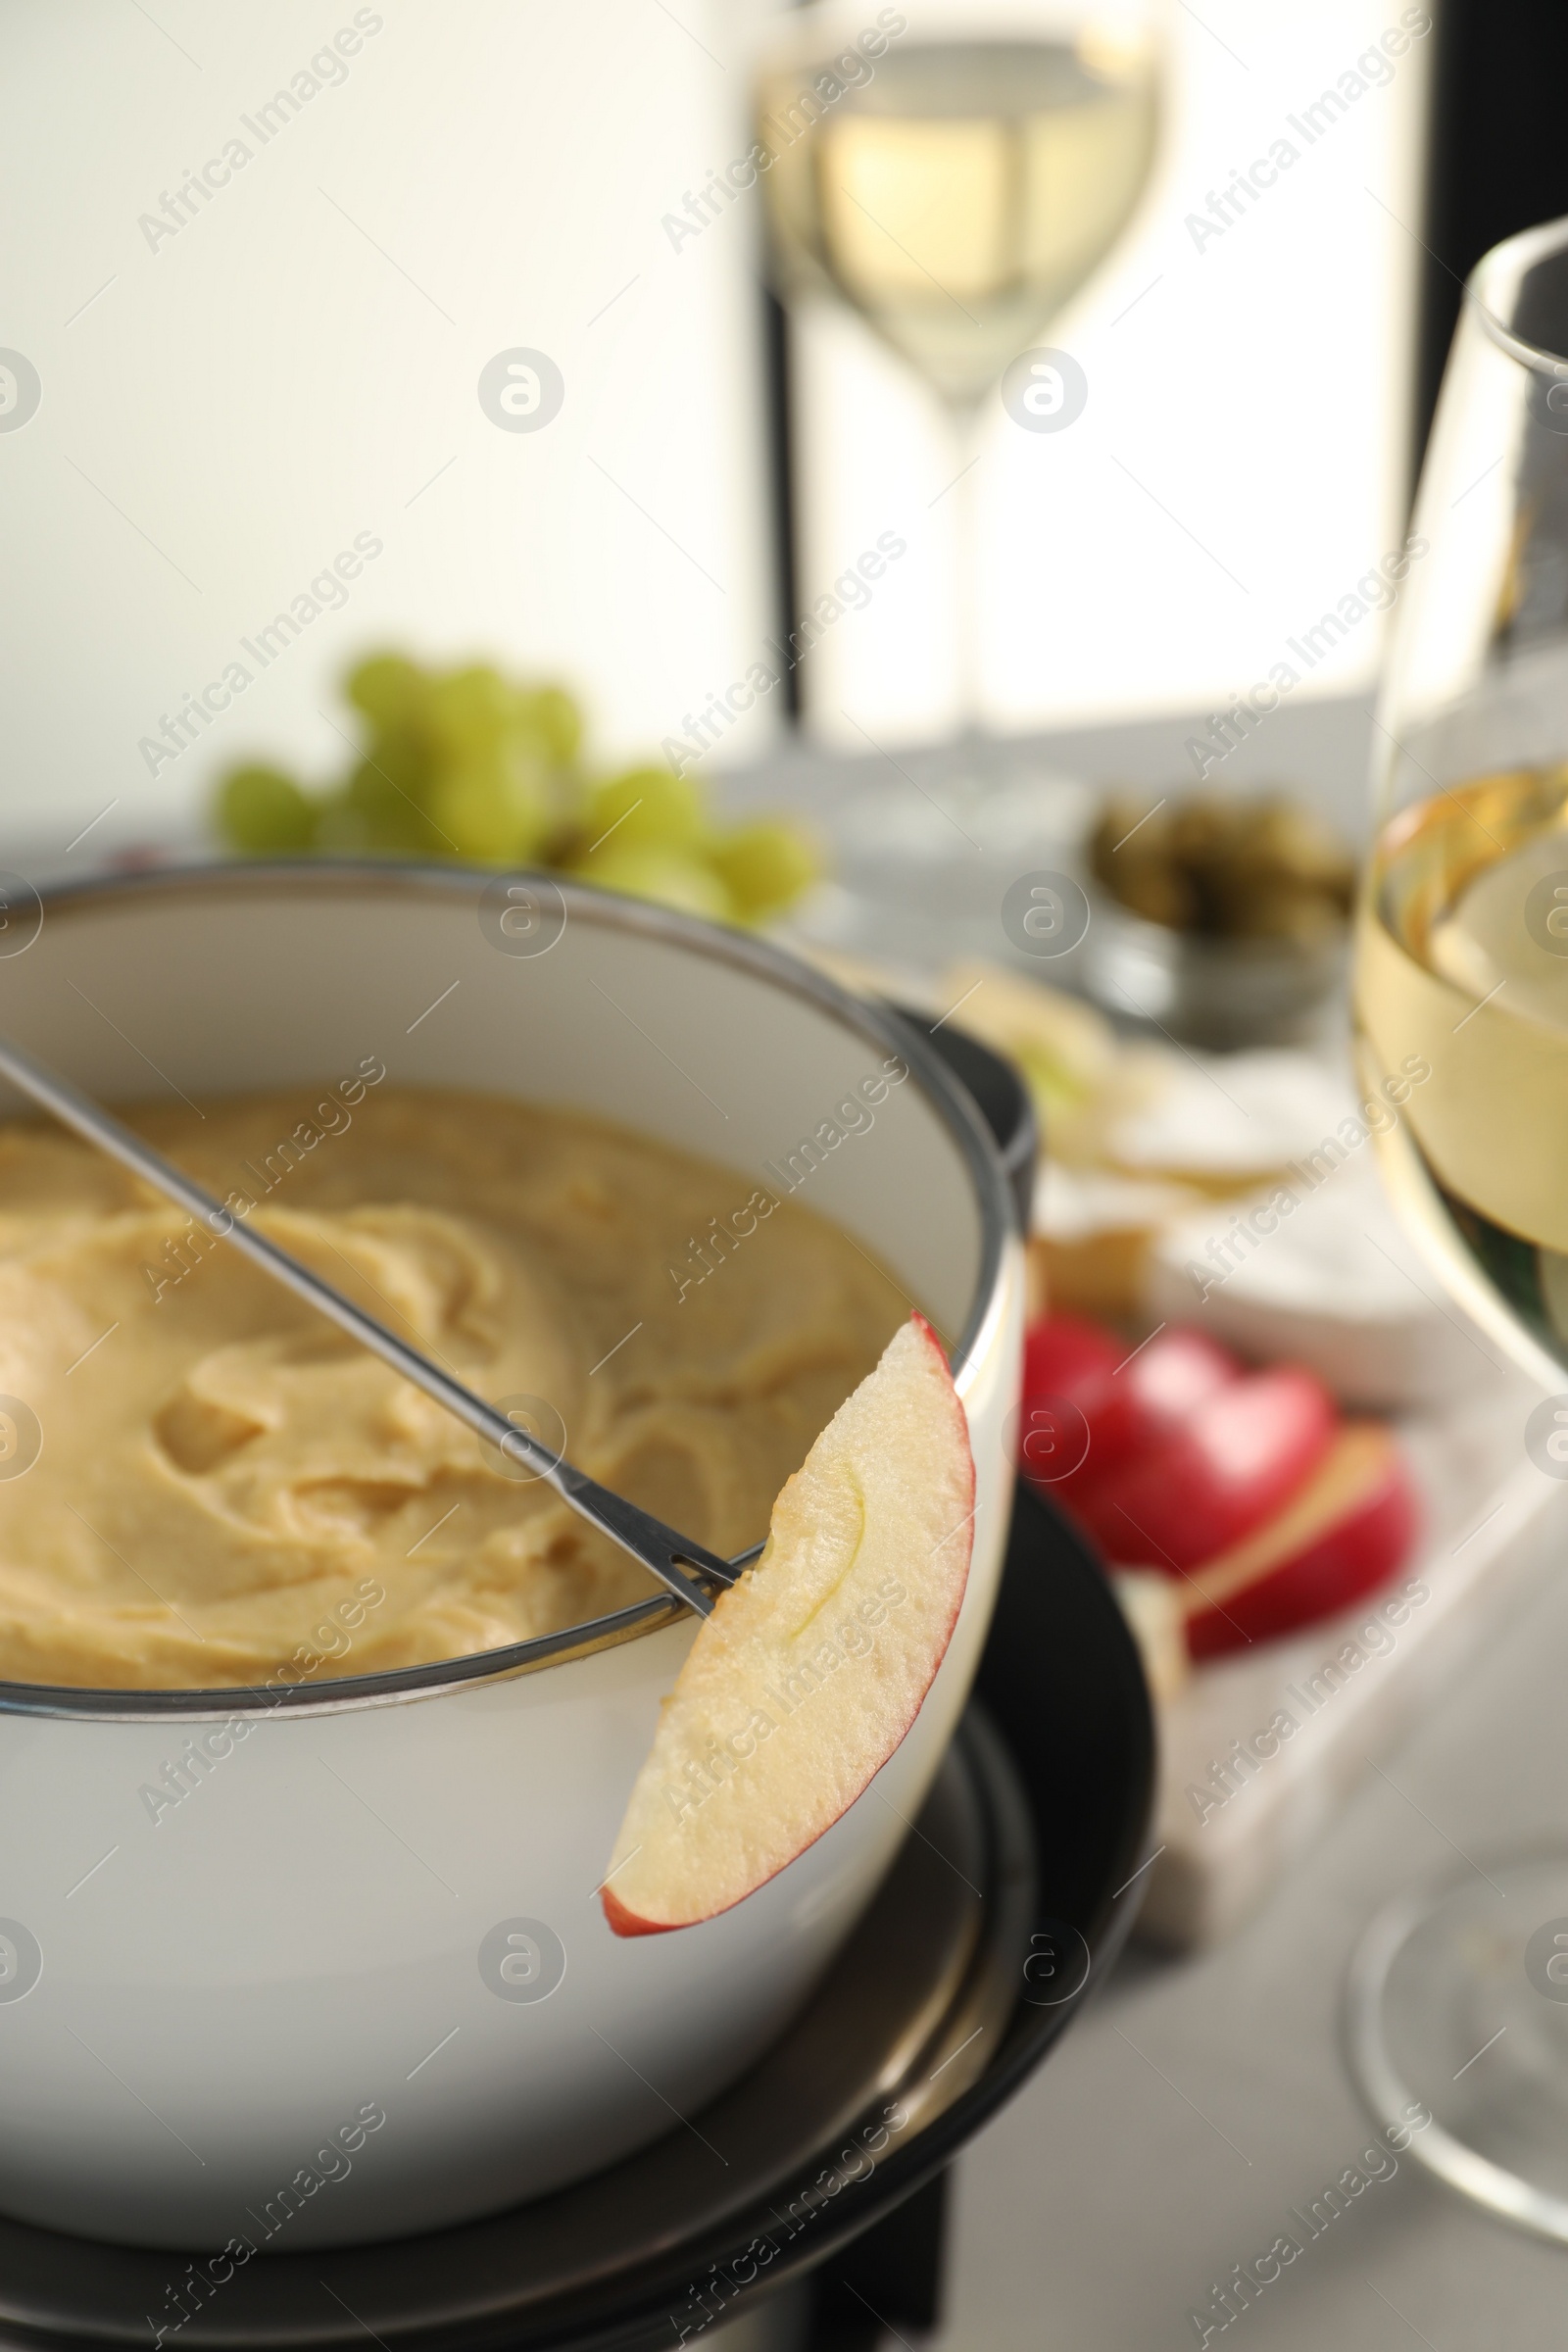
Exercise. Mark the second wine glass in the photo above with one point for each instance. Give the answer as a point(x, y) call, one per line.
point(1458, 2003)
point(955, 174)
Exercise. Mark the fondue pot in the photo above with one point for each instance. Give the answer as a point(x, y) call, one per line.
point(357, 1982)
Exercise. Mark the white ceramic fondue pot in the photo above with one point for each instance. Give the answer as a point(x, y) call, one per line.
point(358, 1983)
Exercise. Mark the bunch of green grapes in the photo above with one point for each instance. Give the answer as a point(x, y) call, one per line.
point(465, 763)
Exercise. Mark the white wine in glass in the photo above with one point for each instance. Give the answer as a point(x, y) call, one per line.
point(961, 198)
point(1463, 971)
point(1463, 1010)
point(957, 187)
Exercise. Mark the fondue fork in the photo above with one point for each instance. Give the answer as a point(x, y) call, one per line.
point(686, 1568)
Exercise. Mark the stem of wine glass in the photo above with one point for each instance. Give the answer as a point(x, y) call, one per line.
point(963, 435)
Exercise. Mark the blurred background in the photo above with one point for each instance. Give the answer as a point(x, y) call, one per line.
point(228, 403)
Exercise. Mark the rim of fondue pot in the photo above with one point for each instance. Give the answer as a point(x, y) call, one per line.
point(583, 905)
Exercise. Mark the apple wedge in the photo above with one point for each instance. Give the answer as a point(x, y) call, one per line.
point(1236, 1460)
point(1345, 1532)
point(1130, 1401)
point(813, 1667)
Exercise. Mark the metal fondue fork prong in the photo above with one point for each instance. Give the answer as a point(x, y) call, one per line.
point(688, 1569)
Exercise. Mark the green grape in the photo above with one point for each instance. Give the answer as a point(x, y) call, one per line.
point(487, 811)
point(470, 711)
point(648, 870)
point(345, 831)
point(552, 716)
point(260, 809)
point(765, 867)
point(384, 796)
point(568, 831)
point(467, 762)
point(649, 805)
point(407, 761)
point(388, 688)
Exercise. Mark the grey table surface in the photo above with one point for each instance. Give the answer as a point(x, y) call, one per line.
point(1198, 2101)
point(1318, 745)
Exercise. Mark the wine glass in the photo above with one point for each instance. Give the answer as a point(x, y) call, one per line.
point(1458, 2000)
point(954, 171)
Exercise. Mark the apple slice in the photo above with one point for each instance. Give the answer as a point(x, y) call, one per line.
point(1130, 1397)
point(1343, 1533)
point(811, 1668)
point(1234, 1461)
point(1067, 1355)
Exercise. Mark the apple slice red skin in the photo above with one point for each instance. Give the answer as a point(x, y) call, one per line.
point(1067, 1355)
point(1360, 1551)
point(1130, 1400)
point(625, 1923)
point(628, 1923)
point(1229, 1467)
point(1155, 1393)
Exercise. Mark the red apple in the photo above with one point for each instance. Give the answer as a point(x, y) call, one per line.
point(1234, 1462)
point(1091, 1403)
point(1343, 1533)
point(1154, 1391)
point(813, 1667)
point(1065, 1355)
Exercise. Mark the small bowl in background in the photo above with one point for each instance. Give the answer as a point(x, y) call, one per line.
point(1222, 916)
point(1216, 992)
